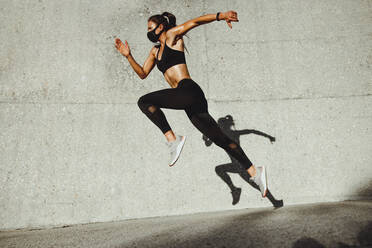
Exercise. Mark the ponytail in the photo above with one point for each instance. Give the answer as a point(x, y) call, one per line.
point(171, 20)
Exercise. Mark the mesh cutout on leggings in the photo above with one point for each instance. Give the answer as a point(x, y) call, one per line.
point(155, 114)
point(233, 145)
point(152, 108)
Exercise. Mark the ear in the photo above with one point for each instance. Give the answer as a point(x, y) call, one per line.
point(162, 26)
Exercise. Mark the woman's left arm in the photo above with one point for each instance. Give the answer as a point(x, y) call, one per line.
point(180, 30)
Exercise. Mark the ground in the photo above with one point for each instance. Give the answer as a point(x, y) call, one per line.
point(338, 224)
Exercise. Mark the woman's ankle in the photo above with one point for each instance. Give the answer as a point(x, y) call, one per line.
point(252, 171)
point(170, 136)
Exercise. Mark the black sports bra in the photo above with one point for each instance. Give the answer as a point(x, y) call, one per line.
point(169, 58)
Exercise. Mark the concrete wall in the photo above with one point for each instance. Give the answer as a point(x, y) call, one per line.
point(75, 148)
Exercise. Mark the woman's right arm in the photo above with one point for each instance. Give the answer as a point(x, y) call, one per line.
point(149, 64)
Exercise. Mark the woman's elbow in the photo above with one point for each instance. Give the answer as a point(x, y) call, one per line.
point(143, 76)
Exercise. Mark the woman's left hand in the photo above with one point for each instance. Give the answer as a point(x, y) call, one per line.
point(230, 16)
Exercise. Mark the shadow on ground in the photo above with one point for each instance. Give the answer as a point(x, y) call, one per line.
point(339, 225)
point(364, 240)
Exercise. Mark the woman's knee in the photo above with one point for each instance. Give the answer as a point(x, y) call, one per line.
point(145, 106)
point(218, 170)
point(142, 103)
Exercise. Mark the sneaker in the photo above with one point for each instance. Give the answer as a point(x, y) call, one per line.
point(261, 180)
point(175, 148)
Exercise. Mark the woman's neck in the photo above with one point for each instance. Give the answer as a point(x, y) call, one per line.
point(162, 37)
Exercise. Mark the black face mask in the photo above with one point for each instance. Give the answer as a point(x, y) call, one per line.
point(153, 36)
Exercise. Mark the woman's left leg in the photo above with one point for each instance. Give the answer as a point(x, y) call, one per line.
point(204, 122)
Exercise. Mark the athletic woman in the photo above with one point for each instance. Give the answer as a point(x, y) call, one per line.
point(184, 94)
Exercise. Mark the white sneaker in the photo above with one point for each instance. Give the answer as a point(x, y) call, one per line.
point(175, 148)
point(261, 180)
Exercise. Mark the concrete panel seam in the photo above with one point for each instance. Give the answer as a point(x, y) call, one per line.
point(209, 99)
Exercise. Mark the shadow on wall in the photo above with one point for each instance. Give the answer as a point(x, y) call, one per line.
point(226, 123)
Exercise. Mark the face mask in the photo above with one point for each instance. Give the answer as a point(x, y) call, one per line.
point(153, 36)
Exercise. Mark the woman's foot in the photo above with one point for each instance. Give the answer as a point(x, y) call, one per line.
point(260, 179)
point(175, 148)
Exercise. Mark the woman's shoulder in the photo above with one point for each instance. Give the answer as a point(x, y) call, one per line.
point(173, 38)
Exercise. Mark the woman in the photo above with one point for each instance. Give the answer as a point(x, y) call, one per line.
point(184, 93)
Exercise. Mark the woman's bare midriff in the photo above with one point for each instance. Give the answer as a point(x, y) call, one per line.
point(175, 74)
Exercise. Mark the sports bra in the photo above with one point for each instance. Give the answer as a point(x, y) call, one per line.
point(169, 58)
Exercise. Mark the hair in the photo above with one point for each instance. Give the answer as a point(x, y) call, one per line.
point(167, 19)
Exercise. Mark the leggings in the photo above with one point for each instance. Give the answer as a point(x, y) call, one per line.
point(189, 96)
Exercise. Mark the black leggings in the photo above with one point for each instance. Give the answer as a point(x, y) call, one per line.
point(190, 97)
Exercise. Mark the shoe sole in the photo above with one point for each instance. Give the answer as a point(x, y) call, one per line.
point(179, 148)
point(264, 179)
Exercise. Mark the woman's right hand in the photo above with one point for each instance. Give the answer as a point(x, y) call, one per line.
point(123, 49)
